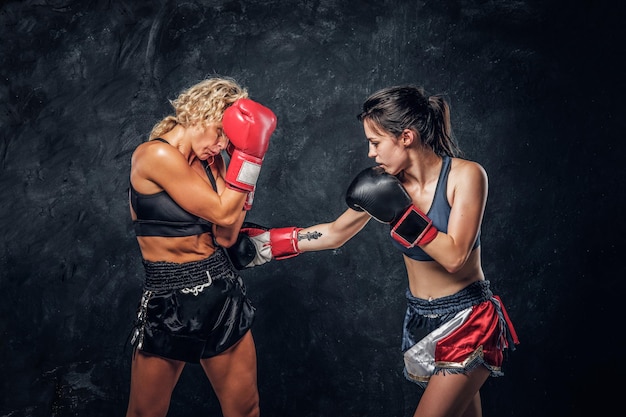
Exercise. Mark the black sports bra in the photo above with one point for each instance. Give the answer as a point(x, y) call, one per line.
point(159, 215)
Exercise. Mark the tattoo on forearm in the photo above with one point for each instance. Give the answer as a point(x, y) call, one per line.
point(308, 235)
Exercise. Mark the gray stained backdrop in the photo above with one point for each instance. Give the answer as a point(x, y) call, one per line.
point(536, 89)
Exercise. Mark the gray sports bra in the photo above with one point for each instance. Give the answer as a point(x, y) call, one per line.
point(439, 213)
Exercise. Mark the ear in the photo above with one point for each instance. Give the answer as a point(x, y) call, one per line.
point(407, 137)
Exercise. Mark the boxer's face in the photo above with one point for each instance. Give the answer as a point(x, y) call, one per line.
point(384, 148)
point(209, 141)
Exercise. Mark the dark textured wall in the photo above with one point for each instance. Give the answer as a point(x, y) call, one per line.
point(536, 90)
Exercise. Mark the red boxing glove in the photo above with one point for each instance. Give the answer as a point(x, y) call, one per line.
point(284, 242)
point(257, 245)
point(248, 125)
point(247, 205)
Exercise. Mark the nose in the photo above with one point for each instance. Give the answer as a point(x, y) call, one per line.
point(371, 152)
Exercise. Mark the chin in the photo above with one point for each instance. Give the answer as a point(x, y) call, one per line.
point(390, 171)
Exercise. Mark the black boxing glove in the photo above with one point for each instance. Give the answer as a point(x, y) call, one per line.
point(384, 198)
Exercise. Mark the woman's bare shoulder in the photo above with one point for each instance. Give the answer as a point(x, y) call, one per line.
point(464, 167)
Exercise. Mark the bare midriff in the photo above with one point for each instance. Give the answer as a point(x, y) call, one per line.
point(176, 249)
point(430, 280)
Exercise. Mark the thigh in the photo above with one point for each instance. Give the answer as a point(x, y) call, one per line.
point(233, 375)
point(453, 395)
point(151, 384)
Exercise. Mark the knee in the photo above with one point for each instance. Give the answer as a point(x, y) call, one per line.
point(243, 407)
point(251, 408)
point(254, 411)
point(145, 413)
point(148, 410)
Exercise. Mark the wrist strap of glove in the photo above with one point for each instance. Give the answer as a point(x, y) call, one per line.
point(243, 171)
point(414, 228)
point(284, 242)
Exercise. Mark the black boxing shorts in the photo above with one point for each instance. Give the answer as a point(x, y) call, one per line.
point(193, 310)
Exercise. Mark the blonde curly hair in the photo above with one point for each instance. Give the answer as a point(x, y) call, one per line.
point(202, 103)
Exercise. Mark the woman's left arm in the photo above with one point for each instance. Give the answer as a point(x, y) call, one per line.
point(467, 194)
point(225, 236)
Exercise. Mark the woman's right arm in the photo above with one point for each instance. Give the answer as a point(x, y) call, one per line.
point(334, 234)
point(156, 166)
point(257, 244)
